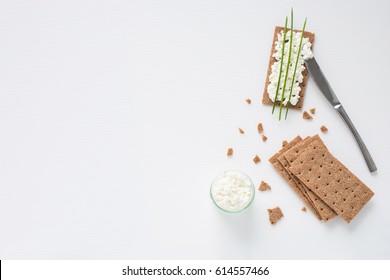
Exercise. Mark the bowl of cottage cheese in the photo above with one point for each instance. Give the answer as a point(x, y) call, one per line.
point(232, 191)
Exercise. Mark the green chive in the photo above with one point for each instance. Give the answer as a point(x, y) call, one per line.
point(296, 65)
point(281, 64)
point(288, 66)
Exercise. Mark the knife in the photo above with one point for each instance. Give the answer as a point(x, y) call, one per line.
point(324, 86)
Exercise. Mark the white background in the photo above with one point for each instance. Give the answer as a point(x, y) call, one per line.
point(115, 116)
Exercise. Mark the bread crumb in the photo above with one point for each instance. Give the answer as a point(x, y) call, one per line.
point(324, 129)
point(241, 130)
point(284, 143)
point(274, 215)
point(248, 100)
point(260, 128)
point(313, 110)
point(264, 138)
point(256, 159)
point(264, 186)
point(230, 152)
point(306, 116)
point(303, 209)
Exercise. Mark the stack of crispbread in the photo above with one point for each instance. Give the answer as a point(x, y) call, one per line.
point(324, 184)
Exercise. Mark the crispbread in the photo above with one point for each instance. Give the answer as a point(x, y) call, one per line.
point(264, 186)
point(323, 209)
point(331, 180)
point(280, 169)
point(286, 147)
point(292, 153)
point(266, 99)
point(275, 215)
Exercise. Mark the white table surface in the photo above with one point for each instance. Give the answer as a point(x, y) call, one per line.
point(115, 116)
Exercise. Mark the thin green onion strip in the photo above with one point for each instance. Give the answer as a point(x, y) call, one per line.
point(295, 69)
point(281, 64)
point(288, 66)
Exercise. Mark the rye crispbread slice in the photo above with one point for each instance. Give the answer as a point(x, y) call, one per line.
point(281, 170)
point(287, 159)
point(328, 178)
point(266, 99)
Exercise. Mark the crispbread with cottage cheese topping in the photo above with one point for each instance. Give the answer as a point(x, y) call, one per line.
point(272, 60)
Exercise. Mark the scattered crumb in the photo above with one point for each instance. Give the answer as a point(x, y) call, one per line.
point(241, 130)
point(248, 100)
point(306, 116)
point(260, 128)
point(313, 110)
point(274, 215)
point(303, 209)
point(256, 159)
point(284, 143)
point(324, 129)
point(230, 152)
point(264, 186)
point(264, 138)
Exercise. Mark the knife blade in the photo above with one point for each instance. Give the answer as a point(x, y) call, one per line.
point(324, 86)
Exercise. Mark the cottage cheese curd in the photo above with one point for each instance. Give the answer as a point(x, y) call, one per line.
point(306, 53)
point(232, 191)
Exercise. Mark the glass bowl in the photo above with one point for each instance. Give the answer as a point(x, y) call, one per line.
point(232, 191)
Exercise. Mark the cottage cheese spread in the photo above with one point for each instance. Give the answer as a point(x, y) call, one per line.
point(232, 191)
point(275, 68)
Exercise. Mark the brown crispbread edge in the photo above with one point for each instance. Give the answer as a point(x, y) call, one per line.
point(266, 99)
point(293, 142)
